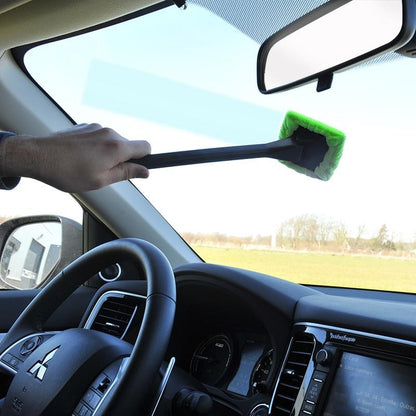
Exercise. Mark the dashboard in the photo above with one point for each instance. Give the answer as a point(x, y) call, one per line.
point(264, 346)
point(256, 345)
point(247, 344)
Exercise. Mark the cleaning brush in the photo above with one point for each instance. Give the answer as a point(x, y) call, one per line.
point(305, 145)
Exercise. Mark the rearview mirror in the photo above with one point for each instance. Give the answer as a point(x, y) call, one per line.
point(337, 35)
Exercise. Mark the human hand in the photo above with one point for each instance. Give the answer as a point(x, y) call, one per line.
point(79, 159)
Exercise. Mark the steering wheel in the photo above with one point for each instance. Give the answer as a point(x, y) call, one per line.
point(52, 378)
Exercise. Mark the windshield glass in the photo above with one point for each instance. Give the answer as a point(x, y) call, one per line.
point(185, 79)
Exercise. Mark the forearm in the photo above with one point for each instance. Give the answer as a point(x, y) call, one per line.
point(80, 159)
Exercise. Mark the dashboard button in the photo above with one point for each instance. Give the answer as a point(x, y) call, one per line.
point(12, 361)
point(30, 345)
point(314, 390)
point(91, 398)
point(309, 407)
point(319, 376)
point(83, 411)
point(323, 357)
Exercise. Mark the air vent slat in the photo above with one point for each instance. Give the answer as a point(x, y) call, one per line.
point(300, 352)
point(296, 363)
point(283, 410)
point(300, 341)
point(119, 306)
point(290, 386)
point(115, 318)
point(282, 396)
point(121, 312)
point(292, 375)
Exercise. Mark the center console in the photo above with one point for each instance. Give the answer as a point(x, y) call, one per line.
point(332, 371)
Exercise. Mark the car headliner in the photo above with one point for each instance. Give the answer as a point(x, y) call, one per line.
point(38, 20)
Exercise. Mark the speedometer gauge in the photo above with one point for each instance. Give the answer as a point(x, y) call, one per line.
point(212, 359)
point(261, 371)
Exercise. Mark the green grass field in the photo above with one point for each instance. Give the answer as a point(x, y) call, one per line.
point(369, 272)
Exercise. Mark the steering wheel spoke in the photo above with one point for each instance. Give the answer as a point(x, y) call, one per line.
point(14, 356)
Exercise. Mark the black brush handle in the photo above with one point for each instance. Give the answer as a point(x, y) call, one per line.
point(285, 149)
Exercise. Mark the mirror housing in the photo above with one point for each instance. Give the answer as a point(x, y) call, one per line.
point(34, 249)
point(333, 37)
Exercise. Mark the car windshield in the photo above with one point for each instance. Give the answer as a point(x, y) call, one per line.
point(185, 79)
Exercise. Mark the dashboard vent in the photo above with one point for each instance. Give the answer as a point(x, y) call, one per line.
point(115, 316)
point(293, 373)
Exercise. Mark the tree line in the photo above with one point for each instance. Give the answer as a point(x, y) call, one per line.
point(314, 233)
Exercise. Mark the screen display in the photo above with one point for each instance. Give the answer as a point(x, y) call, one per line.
point(372, 387)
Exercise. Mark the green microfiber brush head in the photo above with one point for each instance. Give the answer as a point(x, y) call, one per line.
point(322, 145)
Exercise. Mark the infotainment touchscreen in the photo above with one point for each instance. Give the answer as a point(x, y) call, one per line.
point(372, 387)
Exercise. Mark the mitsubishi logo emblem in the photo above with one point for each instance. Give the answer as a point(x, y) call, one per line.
point(39, 369)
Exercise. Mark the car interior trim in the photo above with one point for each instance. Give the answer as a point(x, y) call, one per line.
point(59, 18)
point(356, 332)
point(164, 383)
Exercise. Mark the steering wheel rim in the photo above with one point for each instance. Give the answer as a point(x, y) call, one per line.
point(151, 344)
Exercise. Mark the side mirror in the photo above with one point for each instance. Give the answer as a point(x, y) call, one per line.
point(337, 35)
point(35, 248)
